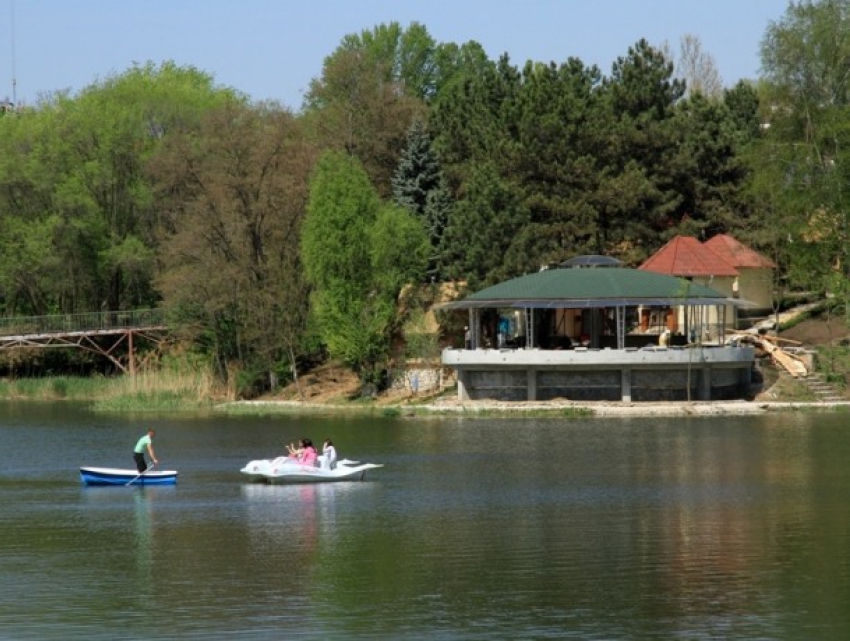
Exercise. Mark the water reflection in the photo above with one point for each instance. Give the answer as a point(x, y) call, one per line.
point(142, 499)
point(278, 513)
point(710, 528)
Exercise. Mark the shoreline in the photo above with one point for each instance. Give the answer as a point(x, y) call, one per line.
point(590, 409)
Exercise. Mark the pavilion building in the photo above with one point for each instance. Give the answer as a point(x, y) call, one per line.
point(606, 333)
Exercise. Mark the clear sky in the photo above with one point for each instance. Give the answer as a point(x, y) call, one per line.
point(271, 49)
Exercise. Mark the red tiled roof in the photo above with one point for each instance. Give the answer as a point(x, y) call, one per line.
point(685, 256)
point(736, 253)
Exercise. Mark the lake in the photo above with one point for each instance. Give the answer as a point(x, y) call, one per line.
point(483, 528)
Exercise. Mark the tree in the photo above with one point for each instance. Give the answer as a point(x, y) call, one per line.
point(420, 187)
point(367, 96)
point(806, 62)
point(233, 198)
point(638, 201)
point(483, 229)
point(743, 103)
point(79, 161)
point(358, 254)
point(707, 167)
point(697, 69)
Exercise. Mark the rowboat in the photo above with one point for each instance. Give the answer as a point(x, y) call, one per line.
point(115, 476)
point(285, 470)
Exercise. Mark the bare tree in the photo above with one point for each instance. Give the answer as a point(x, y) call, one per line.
point(696, 67)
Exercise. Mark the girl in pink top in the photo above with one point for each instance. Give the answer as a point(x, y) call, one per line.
point(305, 453)
point(308, 453)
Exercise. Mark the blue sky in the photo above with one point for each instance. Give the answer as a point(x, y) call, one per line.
point(271, 49)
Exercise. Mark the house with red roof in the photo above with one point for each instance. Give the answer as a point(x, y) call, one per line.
point(723, 264)
point(755, 272)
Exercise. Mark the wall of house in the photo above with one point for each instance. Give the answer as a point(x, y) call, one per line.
point(756, 286)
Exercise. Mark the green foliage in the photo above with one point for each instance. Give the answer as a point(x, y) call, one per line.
point(642, 85)
point(583, 163)
point(342, 207)
point(60, 387)
point(358, 255)
point(802, 163)
point(398, 248)
point(159, 401)
point(234, 198)
point(421, 343)
point(29, 266)
point(707, 167)
point(72, 176)
point(156, 186)
point(420, 187)
point(483, 228)
point(54, 388)
point(369, 92)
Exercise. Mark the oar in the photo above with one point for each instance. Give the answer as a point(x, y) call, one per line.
point(150, 467)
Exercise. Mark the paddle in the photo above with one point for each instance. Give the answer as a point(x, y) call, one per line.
point(150, 467)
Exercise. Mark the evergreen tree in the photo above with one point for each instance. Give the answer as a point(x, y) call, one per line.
point(639, 200)
point(419, 186)
point(483, 229)
point(707, 167)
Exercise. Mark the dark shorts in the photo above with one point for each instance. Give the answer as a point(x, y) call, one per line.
point(139, 457)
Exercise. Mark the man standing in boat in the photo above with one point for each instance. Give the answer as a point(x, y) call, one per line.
point(146, 442)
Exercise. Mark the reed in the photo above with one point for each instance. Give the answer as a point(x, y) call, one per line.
point(54, 388)
point(167, 389)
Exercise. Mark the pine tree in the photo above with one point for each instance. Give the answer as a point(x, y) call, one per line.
point(420, 187)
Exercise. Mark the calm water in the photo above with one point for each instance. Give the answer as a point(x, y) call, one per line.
point(707, 528)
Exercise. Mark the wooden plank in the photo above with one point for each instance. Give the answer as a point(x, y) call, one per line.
point(791, 363)
point(779, 339)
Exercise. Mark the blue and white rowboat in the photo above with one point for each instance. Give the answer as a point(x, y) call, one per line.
point(115, 476)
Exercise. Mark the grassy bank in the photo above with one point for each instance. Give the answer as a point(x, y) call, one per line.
point(165, 390)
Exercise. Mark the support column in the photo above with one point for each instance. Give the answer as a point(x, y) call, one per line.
point(462, 382)
point(705, 383)
point(130, 355)
point(626, 385)
point(531, 384)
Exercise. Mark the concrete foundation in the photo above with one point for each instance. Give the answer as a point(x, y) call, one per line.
point(651, 374)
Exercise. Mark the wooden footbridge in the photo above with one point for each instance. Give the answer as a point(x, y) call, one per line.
point(108, 334)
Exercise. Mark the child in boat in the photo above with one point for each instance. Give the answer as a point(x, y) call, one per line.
point(328, 457)
point(305, 453)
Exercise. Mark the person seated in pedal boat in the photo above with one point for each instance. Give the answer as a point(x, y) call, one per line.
point(305, 453)
point(327, 461)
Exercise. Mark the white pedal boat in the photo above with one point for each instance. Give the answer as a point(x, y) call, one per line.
point(284, 470)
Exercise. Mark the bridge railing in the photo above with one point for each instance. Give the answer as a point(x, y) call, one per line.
point(88, 322)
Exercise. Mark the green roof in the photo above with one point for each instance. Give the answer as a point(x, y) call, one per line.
point(595, 287)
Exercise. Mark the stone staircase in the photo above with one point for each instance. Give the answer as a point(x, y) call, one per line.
point(823, 391)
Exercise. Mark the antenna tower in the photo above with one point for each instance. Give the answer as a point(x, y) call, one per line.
point(14, 75)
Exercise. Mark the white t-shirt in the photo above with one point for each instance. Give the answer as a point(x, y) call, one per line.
point(329, 454)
